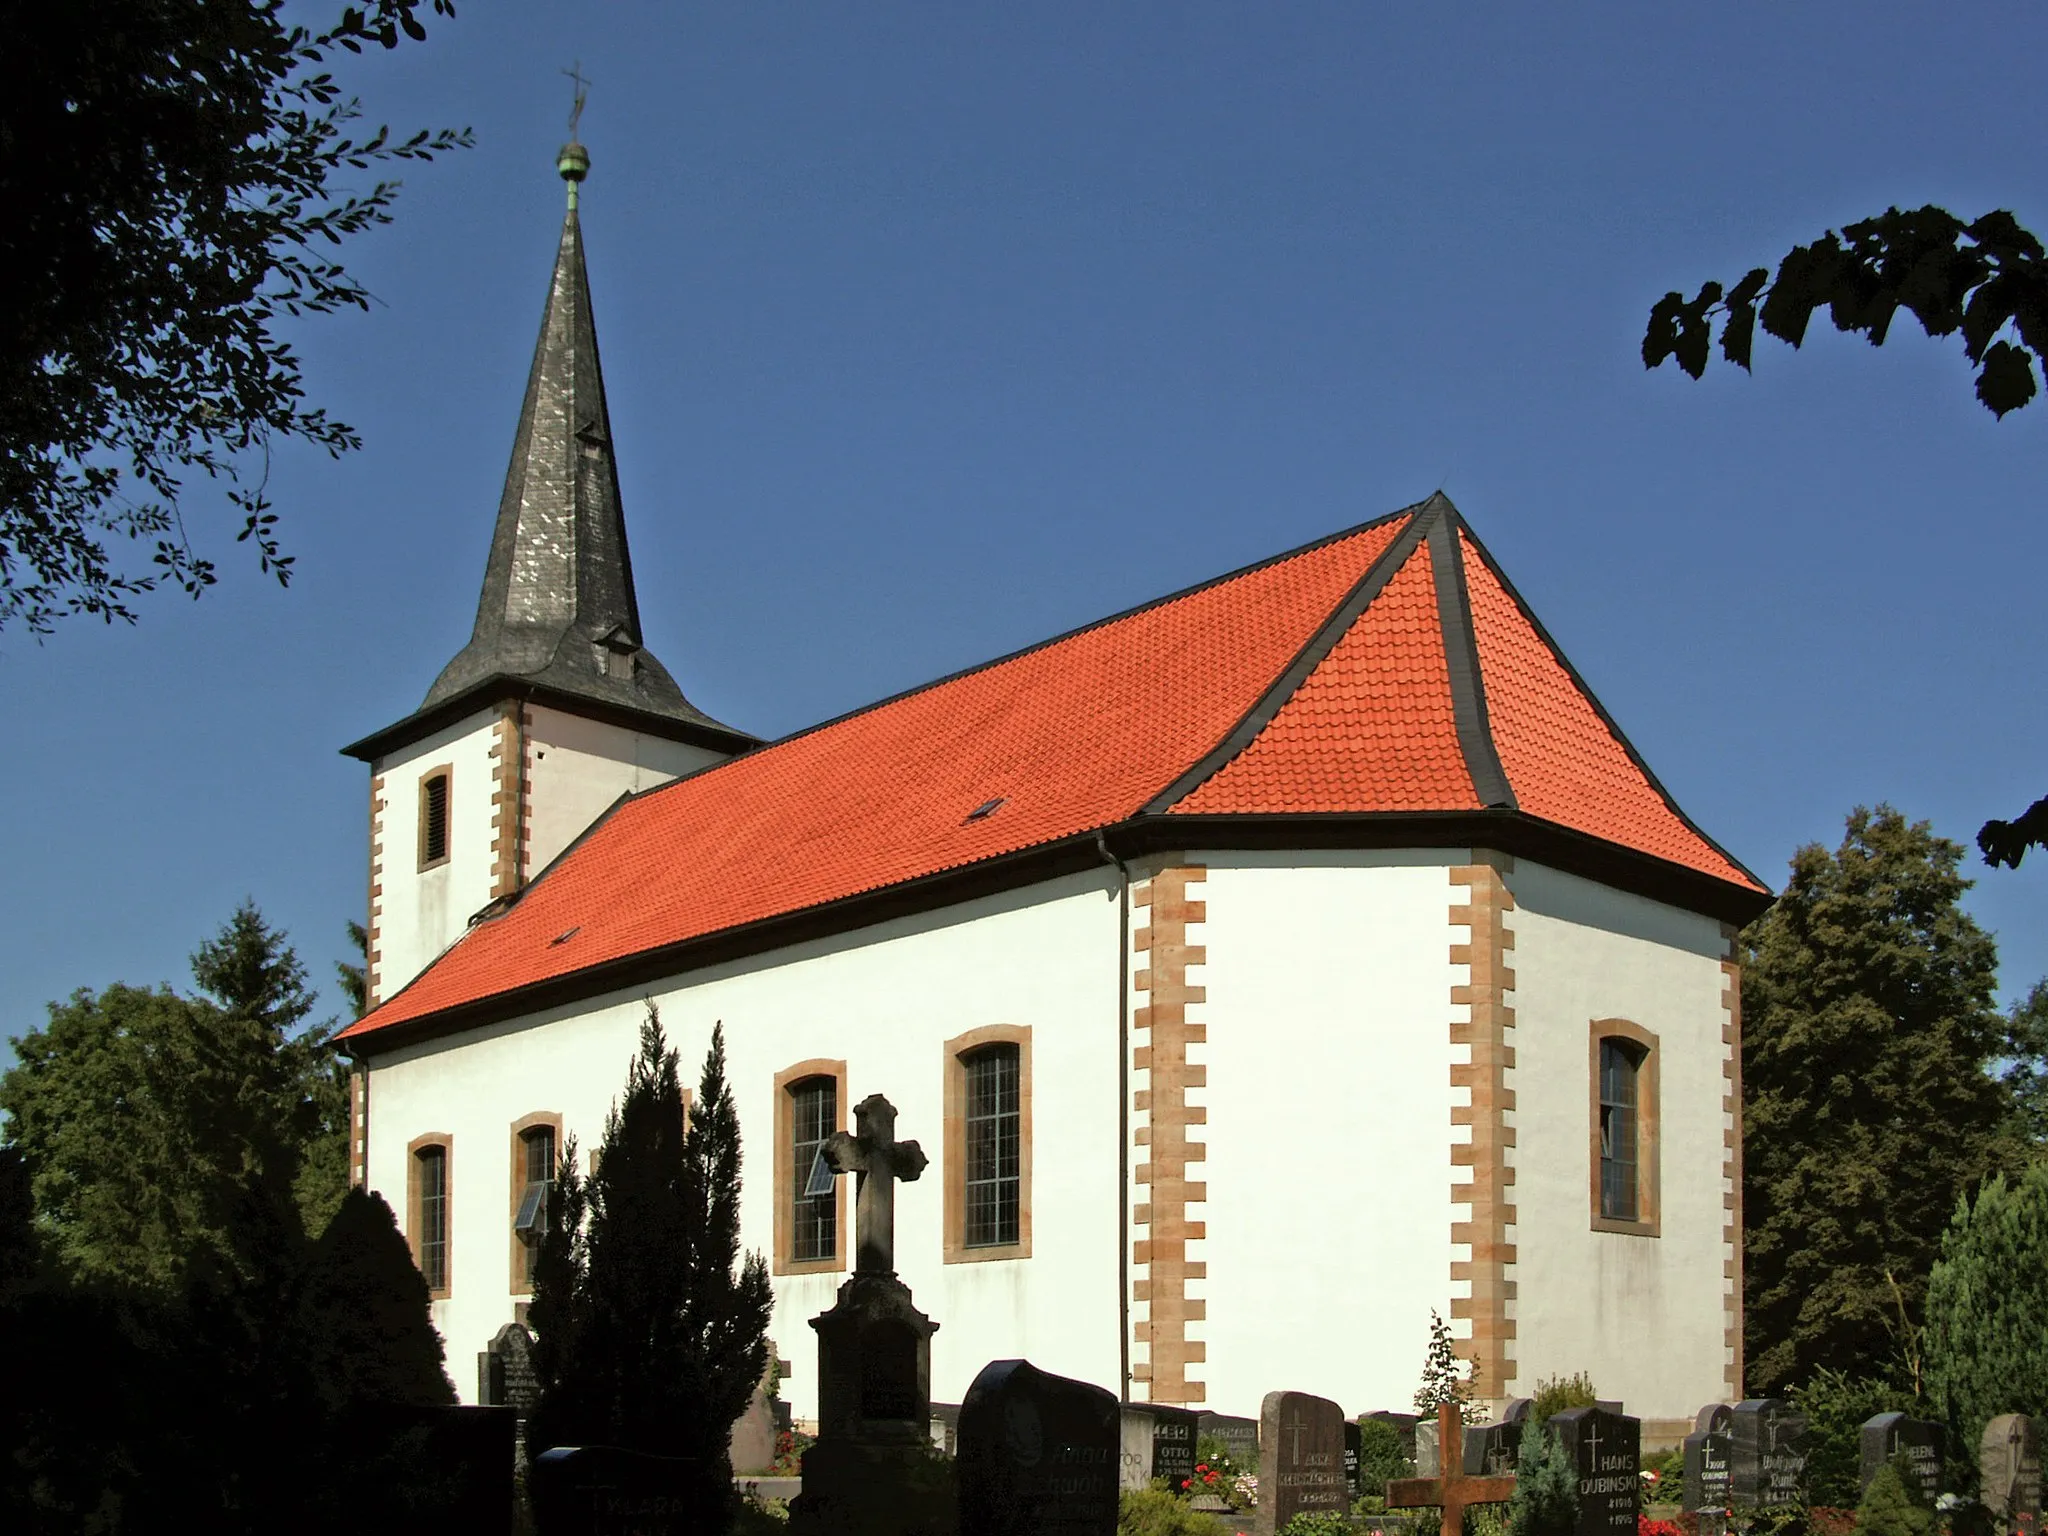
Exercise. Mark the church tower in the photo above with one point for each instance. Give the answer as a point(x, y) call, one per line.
point(555, 708)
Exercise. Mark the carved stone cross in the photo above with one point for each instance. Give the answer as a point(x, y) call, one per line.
point(1451, 1489)
point(880, 1160)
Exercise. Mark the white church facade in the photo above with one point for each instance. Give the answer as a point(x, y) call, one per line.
point(1261, 968)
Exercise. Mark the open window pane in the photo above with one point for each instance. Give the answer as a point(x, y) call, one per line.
point(1620, 1065)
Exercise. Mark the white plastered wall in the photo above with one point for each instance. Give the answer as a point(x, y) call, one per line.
point(576, 768)
point(419, 913)
point(1643, 1316)
point(1329, 1167)
point(883, 999)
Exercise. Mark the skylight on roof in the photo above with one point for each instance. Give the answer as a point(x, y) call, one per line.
point(986, 809)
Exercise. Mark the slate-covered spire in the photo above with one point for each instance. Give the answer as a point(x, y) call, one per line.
point(558, 611)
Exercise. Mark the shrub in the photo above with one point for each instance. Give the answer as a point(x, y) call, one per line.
point(1321, 1523)
point(1889, 1510)
point(1987, 1307)
point(1155, 1512)
point(1546, 1501)
point(1557, 1393)
point(1836, 1407)
point(1380, 1457)
point(1445, 1378)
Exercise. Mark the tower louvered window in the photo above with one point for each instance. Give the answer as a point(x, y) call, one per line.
point(433, 819)
point(994, 1162)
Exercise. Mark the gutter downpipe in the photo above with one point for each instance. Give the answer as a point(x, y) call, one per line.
point(1123, 1116)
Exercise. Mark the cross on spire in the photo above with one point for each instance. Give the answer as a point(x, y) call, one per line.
point(1452, 1490)
point(880, 1160)
point(575, 73)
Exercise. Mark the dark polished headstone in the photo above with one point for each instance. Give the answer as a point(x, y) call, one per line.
point(1766, 1454)
point(1039, 1454)
point(603, 1490)
point(1606, 1450)
point(1491, 1450)
point(1919, 1441)
point(1353, 1453)
point(1301, 1459)
point(2009, 1469)
point(1707, 1451)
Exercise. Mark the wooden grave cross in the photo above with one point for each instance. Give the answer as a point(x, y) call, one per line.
point(1451, 1489)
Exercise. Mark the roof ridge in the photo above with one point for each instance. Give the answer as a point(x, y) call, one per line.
point(1424, 516)
point(1469, 714)
point(1324, 542)
point(1586, 692)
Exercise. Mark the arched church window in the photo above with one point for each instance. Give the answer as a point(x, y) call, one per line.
point(434, 786)
point(810, 1224)
point(536, 1145)
point(814, 1114)
point(1623, 1143)
point(988, 1144)
point(429, 1209)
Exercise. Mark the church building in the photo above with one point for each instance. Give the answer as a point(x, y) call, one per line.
point(1261, 968)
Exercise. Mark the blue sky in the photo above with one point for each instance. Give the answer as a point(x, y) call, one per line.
point(932, 330)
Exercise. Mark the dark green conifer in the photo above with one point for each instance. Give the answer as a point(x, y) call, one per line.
point(1889, 1510)
point(1546, 1501)
point(365, 1314)
point(1986, 1342)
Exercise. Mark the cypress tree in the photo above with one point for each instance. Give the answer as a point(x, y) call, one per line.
point(365, 1315)
point(1987, 1307)
point(650, 1328)
point(727, 1301)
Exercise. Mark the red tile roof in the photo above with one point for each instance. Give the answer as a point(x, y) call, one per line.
point(1087, 731)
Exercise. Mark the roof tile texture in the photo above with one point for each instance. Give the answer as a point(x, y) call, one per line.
point(1561, 758)
point(1371, 729)
point(1076, 734)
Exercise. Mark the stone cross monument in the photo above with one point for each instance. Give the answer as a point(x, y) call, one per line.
point(879, 1160)
point(866, 1475)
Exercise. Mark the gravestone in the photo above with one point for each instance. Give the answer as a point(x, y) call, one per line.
point(1917, 1440)
point(1301, 1459)
point(504, 1371)
point(1606, 1450)
point(1427, 1462)
point(868, 1471)
point(1238, 1437)
point(756, 1430)
point(1491, 1450)
point(602, 1490)
point(2009, 1463)
point(1354, 1450)
point(1766, 1454)
point(1706, 1461)
point(1173, 1443)
point(1039, 1454)
point(945, 1426)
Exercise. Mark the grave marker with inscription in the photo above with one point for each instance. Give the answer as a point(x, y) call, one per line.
point(1766, 1454)
point(1706, 1461)
point(1917, 1440)
point(505, 1376)
point(1301, 1459)
point(2009, 1464)
point(1239, 1437)
point(1606, 1449)
point(1039, 1454)
point(1354, 1449)
point(602, 1490)
point(1158, 1441)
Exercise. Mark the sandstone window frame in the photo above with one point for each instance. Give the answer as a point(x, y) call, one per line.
point(442, 1144)
point(788, 1176)
point(444, 775)
point(1648, 1138)
point(956, 1053)
point(521, 1271)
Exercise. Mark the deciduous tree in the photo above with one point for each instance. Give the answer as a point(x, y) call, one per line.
point(175, 174)
point(1869, 1104)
